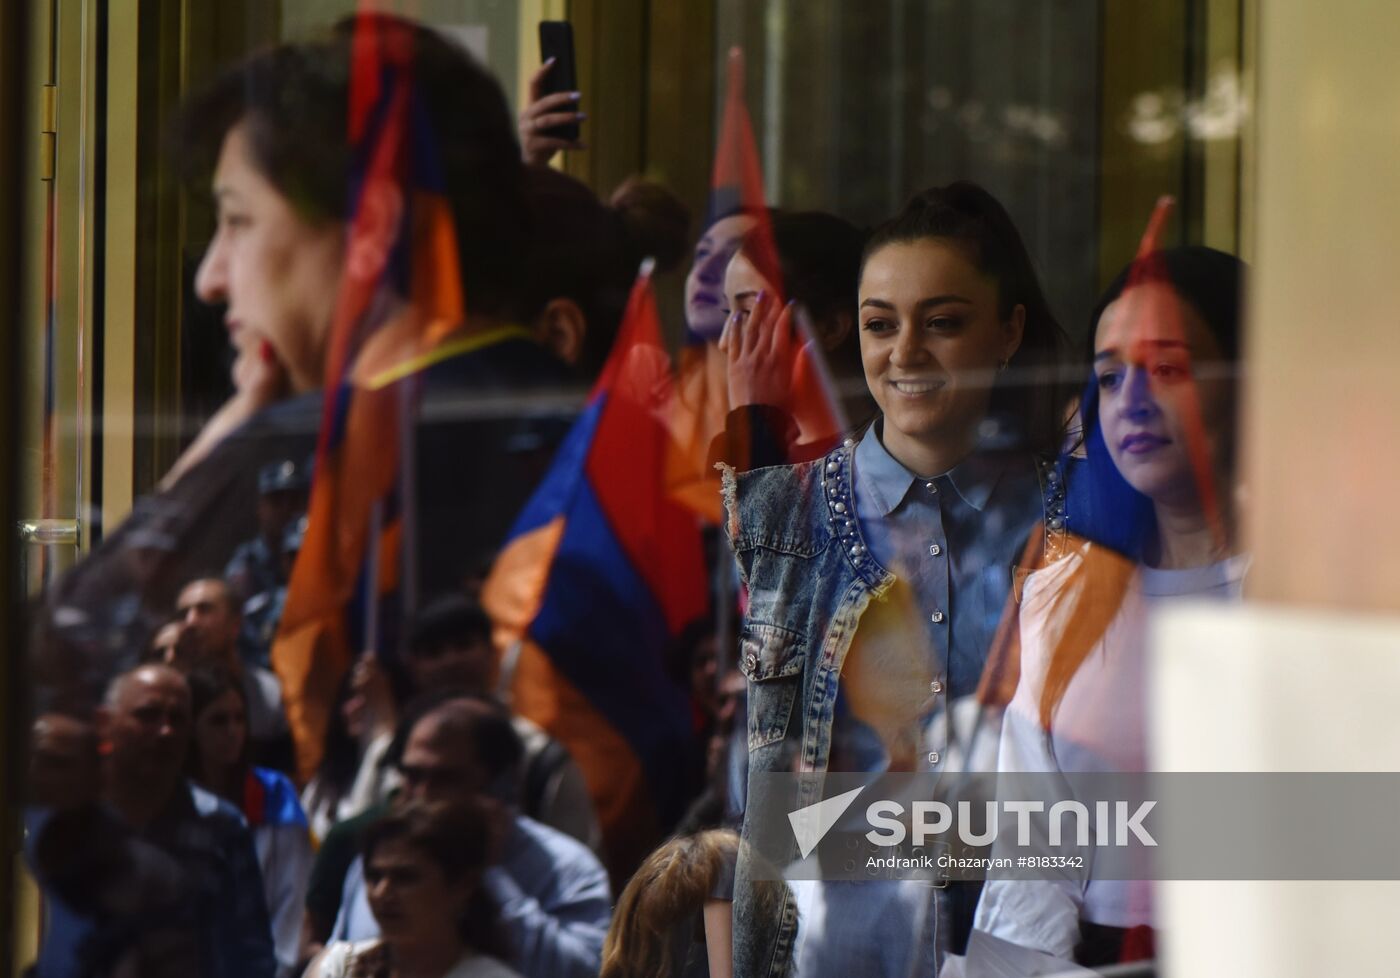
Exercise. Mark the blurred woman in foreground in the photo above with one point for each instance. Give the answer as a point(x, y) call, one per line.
point(1159, 527)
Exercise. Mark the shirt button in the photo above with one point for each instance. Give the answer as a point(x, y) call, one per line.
point(931, 487)
point(751, 661)
point(935, 550)
point(937, 617)
point(935, 687)
point(933, 757)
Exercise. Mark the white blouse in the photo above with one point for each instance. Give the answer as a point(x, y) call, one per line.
point(337, 958)
point(1099, 725)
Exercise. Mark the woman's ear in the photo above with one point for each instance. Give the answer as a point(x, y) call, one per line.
point(375, 230)
point(562, 328)
point(1015, 331)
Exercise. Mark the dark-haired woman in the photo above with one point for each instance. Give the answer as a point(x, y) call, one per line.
point(1158, 527)
point(815, 265)
point(272, 136)
point(704, 281)
point(267, 799)
point(423, 866)
point(352, 776)
point(585, 256)
point(877, 574)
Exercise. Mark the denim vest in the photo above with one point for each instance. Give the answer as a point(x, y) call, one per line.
point(810, 578)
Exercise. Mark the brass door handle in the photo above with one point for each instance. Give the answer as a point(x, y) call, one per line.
point(48, 533)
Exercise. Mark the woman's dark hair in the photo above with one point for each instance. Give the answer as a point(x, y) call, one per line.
point(654, 216)
point(456, 837)
point(1029, 408)
point(1211, 282)
point(452, 619)
point(207, 685)
point(589, 251)
point(294, 98)
point(1105, 510)
point(819, 261)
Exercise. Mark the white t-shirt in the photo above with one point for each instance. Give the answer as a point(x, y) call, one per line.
point(338, 957)
point(1099, 725)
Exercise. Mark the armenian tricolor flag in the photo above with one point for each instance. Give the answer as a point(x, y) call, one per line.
point(353, 561)
point(702, 405)
point(601, 571)
point(1109, 517)
point(1155, 323)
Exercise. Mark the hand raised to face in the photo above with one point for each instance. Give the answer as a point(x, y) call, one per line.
point(760, 350)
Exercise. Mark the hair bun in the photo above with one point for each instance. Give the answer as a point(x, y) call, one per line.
point(655, 221)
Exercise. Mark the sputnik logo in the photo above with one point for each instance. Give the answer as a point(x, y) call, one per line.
point(812, 823)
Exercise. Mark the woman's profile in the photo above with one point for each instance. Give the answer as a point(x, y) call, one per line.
point(1159, 526)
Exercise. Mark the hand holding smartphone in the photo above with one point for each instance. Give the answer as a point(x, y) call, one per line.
point(550, 122)
point(557, 45)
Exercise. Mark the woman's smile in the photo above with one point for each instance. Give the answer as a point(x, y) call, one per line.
point(916, 388)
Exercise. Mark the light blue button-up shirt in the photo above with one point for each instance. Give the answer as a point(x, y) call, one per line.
point(953, 538)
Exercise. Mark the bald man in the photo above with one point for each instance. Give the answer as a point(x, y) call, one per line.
point(154, 871)
point(144, 723)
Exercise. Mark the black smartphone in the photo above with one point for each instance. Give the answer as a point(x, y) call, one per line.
point(557, 42)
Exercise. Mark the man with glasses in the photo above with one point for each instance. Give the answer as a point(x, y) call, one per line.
point(551, 891)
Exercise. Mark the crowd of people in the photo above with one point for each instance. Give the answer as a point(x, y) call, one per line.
point(961, 582)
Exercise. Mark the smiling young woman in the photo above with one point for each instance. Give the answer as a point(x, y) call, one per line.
point(932, 339)
point(955, 329)
point(878, 573)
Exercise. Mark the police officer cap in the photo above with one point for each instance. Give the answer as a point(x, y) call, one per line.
point(282, 475)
